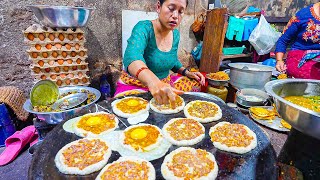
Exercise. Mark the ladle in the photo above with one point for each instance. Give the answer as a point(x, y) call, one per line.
point(69, 101)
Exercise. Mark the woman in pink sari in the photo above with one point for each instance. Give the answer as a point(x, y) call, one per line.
point(303, 31)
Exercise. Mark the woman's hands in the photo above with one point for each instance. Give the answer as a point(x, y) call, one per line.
point(163, 93)
point(197, 76)
point(281, 66)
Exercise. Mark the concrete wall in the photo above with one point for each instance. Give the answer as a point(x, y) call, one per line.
point(103, 34)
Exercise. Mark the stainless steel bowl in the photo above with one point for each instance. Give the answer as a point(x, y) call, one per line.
point(62, 16)
point(302, 119)
point(242, 97)
point(57, 117)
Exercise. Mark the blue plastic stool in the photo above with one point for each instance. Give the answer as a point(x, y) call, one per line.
point(7, 127)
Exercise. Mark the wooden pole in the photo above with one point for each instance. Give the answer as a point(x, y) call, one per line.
point(214, 33)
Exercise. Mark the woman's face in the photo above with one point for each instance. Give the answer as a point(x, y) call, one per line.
point(171, 12)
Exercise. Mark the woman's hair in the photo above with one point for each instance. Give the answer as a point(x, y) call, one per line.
point(162, 1)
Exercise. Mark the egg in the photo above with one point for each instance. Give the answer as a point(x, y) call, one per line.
point(78, 61)
point(43, 77)
point(69, 61)
point(93, 121)
point(61, 37)
point(38, 46)
point(80, 36)
point(58, 45)
point(77, 46)
point(41, 36)
point(70, 75)
point(68, 81)
point(51, 37)
point(36, 69)
point(41, 63)
point(54, 54)
point(81, 53)
point(47, 70)
point(66, 68)
point(68, 46)
point(64, 54)
point(60, 61)
point(84, 80)
point(74, 68)
point(133, 102)
point(80, 74)
point(138, 134)
point(57, 69)
point(59, 82)
point(30, 36)
point(45, 54)
point(53, 76)
point(70, 37)
point(83, 66)
point(63, 75)
point(34, 54)
point(73, 53)
point(51, 62)
point(48, 46)
point(76, 81)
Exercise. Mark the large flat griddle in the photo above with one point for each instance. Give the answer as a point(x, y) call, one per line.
point(260, 163)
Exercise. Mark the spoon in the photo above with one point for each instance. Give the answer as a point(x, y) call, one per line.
point(69, 101)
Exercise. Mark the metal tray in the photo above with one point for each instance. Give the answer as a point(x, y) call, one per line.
point(260, 163)
point(275, 125)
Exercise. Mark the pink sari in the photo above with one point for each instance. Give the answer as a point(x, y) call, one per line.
point(310, 70)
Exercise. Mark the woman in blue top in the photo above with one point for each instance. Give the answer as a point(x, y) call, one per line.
point(303, 30)
point(152, 52)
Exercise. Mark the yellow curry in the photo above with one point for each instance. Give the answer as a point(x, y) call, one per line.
point(309, 102)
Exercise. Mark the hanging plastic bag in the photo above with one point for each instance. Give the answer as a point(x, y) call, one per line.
point(263, 37)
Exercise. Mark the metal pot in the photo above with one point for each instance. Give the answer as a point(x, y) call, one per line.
point(302, 119)
point(249, 75)
point(251, 97)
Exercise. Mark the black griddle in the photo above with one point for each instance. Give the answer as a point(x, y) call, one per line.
point(259, 163)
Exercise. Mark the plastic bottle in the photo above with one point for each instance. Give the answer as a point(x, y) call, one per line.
point(105, 87)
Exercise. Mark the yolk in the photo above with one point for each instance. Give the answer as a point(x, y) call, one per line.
point(138, 134)
point(133, 102)
point(93, 121)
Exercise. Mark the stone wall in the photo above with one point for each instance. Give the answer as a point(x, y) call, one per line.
point(103, 34)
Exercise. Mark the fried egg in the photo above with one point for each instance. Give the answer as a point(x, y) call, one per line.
point(130, 106)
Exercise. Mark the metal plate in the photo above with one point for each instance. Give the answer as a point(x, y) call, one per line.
point(260, 163)
point(275, 124)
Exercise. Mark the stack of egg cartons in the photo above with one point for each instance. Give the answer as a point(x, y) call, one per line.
point(57, 54)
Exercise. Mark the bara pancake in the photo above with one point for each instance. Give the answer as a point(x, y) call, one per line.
point(83, 156)
point(95, 124)
point(189, 163)
point(128, 168)
point(130, 106)
point(183, 131)
point(236, 138)
point(203, 111)
point(167, 108)
point(141, 137)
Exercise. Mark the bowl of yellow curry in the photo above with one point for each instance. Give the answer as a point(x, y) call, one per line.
point(298, 102)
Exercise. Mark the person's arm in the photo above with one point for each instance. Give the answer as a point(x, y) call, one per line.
point(290, 32)
point(193, 75)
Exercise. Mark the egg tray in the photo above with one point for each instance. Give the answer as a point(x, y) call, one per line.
point(84, 81)
point(74, 46)
point(37, 33)
point(61, 76)
point(57, 54)
point(52, 62)
point(59, 69)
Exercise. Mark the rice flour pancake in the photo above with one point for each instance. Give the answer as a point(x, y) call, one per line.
point(203, 111)
point(189, 163)
point(95, 124)
point(83, 156)
point(141, 137)
point(236, 138)
point(128, 168)
point(167, 108)
point(130, 106)
point(183, 131)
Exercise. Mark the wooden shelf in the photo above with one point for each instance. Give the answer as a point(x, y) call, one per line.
point(236, 56)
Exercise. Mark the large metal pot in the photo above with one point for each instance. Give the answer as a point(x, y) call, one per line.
point(300, 118)
point(249, 75)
